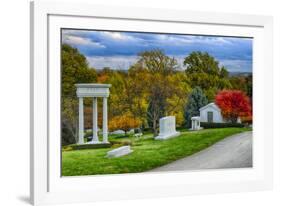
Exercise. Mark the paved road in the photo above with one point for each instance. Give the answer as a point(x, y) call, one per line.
point(232, 152)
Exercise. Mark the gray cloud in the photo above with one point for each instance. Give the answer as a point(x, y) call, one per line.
point(120, 49)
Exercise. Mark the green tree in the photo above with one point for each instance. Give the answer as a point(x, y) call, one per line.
point(204, 71)
point(243, 83)
point(202, 62)
point(196, 100)
point(155, 61)
point(249, 86)
point(75, 69)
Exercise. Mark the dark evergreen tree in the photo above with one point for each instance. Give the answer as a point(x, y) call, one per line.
point(196, 100)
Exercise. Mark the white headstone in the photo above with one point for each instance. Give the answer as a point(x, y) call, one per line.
point(167, 128)
point(118, 132)
point(120, 151)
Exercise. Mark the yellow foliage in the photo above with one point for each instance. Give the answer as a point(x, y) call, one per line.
point(124, 122)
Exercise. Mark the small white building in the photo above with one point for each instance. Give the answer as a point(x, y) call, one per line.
point(212, 113)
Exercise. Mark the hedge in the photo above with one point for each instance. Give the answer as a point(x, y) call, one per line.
point(207, 125)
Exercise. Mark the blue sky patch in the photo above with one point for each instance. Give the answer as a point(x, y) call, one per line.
point(119, 50)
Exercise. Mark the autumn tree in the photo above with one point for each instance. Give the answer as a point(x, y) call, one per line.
point(203, 70)
point(196, 100)
point(177, 101)
point(157, 83)
point(75, 69)
point(137, 94)
point(233, 104)
point(172, 103)
point(124, 122)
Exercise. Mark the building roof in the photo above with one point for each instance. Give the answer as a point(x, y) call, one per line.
point(212, 104)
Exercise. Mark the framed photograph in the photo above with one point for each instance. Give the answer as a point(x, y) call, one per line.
point(136, 103)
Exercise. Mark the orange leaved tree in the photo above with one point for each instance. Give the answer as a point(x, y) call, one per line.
point(124, 122)
point(234, 104)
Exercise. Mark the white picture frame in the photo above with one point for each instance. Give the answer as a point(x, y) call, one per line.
point(47, 186)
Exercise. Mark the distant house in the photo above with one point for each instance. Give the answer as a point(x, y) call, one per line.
point(212, 113)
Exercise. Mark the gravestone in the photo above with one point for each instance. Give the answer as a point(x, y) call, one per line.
point(167, 128)
point(118, 132)
point(120, 151)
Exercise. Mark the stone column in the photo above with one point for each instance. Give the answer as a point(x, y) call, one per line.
point(192, 124)
point(81, 121)
point(104, 122)
point(95, 120)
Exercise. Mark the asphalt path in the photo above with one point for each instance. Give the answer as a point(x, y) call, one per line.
point(232, 152)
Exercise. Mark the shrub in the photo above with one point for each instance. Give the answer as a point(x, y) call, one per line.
point(67, 148)
point(207, 125)
point(147, 130)
point(247, 120)
point(67, 132)
point(88, 135)
point(121, 143)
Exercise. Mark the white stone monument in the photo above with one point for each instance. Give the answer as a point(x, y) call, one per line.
point(94, 91)
point(120, 151)
point(195, 123)
point(167, 128)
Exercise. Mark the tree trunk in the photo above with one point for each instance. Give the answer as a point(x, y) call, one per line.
point(154, 127)
point(233, 119)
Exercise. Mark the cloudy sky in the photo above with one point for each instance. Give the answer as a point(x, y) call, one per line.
point(119, 50)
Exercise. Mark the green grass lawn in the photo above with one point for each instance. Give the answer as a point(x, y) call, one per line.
point(147, 153)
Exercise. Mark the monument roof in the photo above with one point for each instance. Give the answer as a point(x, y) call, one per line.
point(195, 118)
point(91, 85)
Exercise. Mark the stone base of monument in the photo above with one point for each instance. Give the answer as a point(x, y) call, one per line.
point(91, 146)
point(96, 142)
point(167, 136)
point(119, 152)
point(167, 128)
point(199, 128)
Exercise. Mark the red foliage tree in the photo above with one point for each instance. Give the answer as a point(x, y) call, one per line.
point(234, 104)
